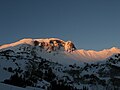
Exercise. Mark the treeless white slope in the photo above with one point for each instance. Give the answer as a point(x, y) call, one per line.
point(23, 41)
point(91, 55)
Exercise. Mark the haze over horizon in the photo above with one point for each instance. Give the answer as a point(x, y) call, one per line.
point(88, 24)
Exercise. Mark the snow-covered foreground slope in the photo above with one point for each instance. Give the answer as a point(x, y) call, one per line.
point(37, 72)
point(11, 87)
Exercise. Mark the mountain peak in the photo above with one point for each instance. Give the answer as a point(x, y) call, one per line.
point(114, 48)
point(49, 44)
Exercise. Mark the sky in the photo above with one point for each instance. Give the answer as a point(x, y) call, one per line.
point(89, 24)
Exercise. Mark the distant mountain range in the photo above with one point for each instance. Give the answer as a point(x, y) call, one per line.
point(54, 64)
point(67, 49)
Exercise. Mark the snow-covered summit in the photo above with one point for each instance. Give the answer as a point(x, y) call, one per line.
point(49, 44)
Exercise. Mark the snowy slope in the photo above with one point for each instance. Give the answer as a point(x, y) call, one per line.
point(91, 55)
point(55, 64)
point(11, 87)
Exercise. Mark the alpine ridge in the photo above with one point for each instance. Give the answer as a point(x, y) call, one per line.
point(65, 47)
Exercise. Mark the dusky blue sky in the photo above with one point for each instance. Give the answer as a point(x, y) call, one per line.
point(90, 24)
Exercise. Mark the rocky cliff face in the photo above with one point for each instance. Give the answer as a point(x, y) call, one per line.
point(53, 44)
point(69, 46)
